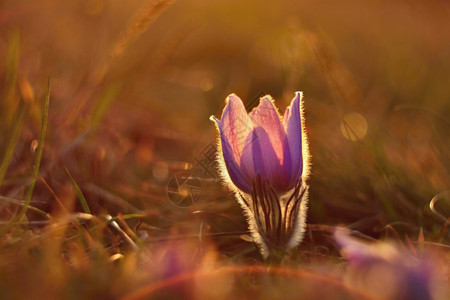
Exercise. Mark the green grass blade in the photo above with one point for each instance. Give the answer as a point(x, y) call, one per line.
point(80, 195)
point(17, 129)
point(102, 106)
point(38, 155)
point(12, 63)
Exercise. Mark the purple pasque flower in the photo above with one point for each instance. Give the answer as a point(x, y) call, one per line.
point(262, 142)
point(373, 265)
point(264, 159)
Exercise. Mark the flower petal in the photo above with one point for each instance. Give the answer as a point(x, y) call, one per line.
point(236, 125)
point(230, 161)
point(267, 117)
point(259, 157)
point(293, 124)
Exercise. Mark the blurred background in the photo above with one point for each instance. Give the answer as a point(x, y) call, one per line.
point(132, 86)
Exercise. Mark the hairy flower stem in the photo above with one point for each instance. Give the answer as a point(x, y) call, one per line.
point(276, 218)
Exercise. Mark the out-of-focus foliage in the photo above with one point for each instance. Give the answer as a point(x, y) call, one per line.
point(133, 84)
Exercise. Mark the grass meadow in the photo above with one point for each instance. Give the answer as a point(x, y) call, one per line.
point(108, 184)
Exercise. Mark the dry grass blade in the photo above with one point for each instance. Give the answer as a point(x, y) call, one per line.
point(23, 203)
point(138, 24)
point(124, 234)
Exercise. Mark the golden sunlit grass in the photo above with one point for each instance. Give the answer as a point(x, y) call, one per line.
point(105, 103)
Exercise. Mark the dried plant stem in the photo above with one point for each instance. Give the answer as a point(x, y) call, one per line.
point(63, 207)
point(22, 203)
point(139, 23)
point(148, 13)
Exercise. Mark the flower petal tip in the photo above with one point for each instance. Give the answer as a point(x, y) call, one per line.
point(232, 97)
point(214, 119)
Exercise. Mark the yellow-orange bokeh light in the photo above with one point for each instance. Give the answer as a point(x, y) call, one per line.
point(354, 126)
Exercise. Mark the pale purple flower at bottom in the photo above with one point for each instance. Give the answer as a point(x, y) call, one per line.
point(385, 271)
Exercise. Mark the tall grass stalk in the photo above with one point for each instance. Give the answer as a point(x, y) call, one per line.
point(147, 13)
point(15, 134)
point(12, 63)
point(40, 149)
